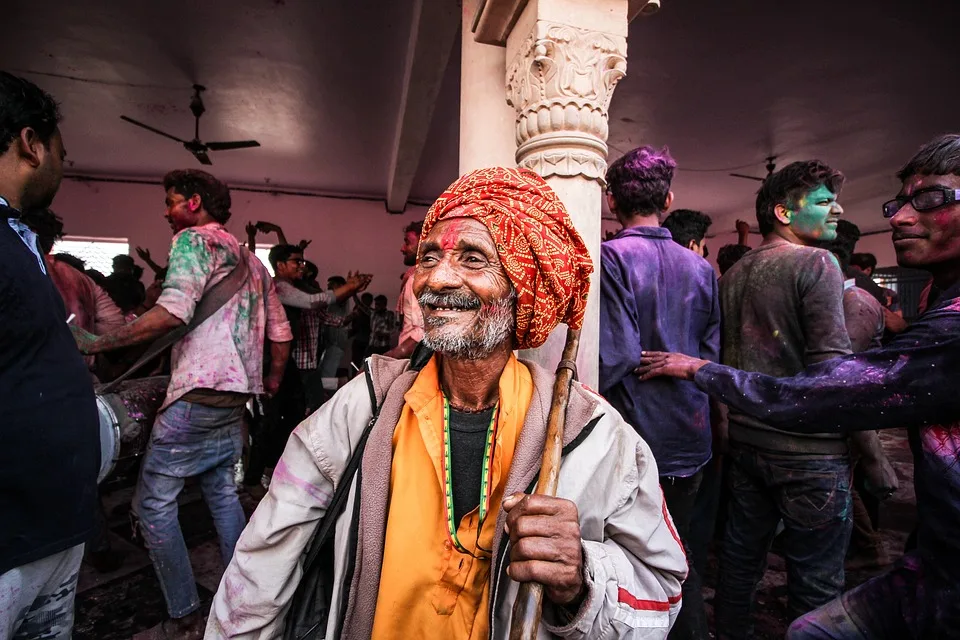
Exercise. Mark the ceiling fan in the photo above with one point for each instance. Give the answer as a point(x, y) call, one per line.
point(196, 146)
point(771, 166)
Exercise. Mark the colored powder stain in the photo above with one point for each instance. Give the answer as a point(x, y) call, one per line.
point(943, 219)
point(451, 235)
point(812, 213)
point(283, 475)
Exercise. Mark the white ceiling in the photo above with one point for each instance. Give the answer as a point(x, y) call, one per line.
point(857, 83)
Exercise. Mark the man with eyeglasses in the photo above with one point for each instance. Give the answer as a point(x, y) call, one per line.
point(910, 382)
point(287, 408)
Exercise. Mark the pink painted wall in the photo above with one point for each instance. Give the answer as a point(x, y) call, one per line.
point(347, 234)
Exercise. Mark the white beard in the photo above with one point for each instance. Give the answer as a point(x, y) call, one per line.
point(495, 324)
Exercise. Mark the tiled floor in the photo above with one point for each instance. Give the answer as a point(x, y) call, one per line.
point(117, 605)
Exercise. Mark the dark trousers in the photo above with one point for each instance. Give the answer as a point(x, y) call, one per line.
point(358, 352)
point(680, 495)
point(812, 497)
point(706, 509)
point(281, 415)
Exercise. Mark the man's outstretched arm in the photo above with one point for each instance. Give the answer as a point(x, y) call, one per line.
point(904, 383)
point(154, 323)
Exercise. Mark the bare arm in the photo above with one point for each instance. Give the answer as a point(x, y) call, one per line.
point(269, 227)
point(279, 354)
point(145, 256)
point(894, 323)
point(251, 236)
point(147, 328)
point(743, 232)
point(356, 282)
point(881, 478)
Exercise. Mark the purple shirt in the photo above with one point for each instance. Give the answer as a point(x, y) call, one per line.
point(658, 296)
point(911, 382)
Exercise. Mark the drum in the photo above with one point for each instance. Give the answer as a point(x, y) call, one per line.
point(126, 419)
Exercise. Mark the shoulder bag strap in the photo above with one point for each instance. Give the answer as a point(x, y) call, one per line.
point(340, 495)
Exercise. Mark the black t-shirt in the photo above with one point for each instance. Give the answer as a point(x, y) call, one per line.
point(468, 438)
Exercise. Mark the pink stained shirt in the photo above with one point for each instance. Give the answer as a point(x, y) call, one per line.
point(410, 309)
point(225, 353)
point(91, 307)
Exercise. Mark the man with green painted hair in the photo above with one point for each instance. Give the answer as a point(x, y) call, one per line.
point(782, 309)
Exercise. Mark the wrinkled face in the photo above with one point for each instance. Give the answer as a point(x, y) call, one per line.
point(182, 213)
point(45, 181)
point(409, 248)
point(926, 239)
point(292, 268)
point(814, 219)
point(468, 303)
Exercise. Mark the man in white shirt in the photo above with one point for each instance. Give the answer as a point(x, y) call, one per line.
point(411, 316)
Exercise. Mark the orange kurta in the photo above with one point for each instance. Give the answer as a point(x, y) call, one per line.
point(428, 589)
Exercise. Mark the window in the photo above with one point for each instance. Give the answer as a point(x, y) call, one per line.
point(263, 252)
point(96, 253)
point(907, 283)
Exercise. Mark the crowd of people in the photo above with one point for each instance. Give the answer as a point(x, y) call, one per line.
point(395, 495)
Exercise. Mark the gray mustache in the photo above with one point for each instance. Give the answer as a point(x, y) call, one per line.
point(459, 301)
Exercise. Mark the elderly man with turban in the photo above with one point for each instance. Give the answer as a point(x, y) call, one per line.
point(438, 529)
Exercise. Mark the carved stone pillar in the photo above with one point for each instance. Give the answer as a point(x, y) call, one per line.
point(561, 82)
point(564, 59)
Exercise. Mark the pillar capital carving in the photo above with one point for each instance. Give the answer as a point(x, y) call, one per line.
point(560, 82)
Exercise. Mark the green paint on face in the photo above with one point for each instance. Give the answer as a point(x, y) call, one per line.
point(815, 216)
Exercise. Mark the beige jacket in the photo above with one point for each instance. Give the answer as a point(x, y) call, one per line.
point(634, 560)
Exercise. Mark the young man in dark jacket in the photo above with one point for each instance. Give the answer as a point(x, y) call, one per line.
point(49, 430)
point(910, 382)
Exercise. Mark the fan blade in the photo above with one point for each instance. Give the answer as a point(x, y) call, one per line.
point(149, 128)
point(740, 175)
point(201, 155)
point(226, 146)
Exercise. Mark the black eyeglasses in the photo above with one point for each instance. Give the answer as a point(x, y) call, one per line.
point(923, 200)
point(298, 261)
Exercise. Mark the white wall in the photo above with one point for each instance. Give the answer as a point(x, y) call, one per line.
point(347, 234)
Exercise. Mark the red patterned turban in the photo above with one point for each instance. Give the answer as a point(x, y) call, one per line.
point(542, 253)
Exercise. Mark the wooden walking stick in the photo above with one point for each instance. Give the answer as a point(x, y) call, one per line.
point(527, 607)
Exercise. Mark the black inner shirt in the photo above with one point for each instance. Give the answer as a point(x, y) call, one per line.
point(468, 438)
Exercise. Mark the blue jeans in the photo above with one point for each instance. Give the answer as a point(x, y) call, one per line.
point(898, 605)
point(812, 497)
point(188, 440)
